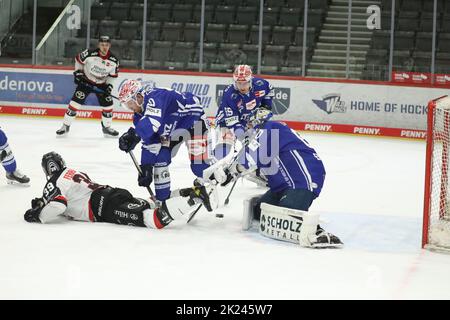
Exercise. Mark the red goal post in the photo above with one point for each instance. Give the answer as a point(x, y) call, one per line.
point(436, 217)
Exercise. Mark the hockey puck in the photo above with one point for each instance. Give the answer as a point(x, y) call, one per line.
point(219, 215)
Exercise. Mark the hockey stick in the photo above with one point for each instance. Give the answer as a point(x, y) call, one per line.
point(234, 160)
point(97, 89)
point(140, 172)
point(227, 200)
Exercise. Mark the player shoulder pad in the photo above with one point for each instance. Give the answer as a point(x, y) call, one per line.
point(113, 58)
point(260, 83)
point(231, 94)
point(150, 106)
point(83, 55)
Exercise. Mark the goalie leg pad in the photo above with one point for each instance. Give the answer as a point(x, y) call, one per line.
point(249, 211)
point(295, 226)
point(280, 223)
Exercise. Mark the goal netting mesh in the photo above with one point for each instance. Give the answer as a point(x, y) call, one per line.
point(436, 223)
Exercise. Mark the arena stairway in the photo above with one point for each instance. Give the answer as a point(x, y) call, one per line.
point(329, 57)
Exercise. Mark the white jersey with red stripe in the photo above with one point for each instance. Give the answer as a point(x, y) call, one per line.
point(97, 68)
point(68, 193)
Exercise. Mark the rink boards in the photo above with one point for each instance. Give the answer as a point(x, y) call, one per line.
point(324, 105)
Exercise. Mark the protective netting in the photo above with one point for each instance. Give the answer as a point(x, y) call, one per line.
point(437, 219)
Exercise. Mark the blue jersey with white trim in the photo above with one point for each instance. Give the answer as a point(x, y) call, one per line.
point(235, 107)
point(286, 159)
point(164, 111)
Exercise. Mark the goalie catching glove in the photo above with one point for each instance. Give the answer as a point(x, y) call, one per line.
point(258, 116)
point(222, 172)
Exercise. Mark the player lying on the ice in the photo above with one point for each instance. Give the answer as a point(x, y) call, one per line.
point(71, 193)
point(163, 120)
point(295, 176)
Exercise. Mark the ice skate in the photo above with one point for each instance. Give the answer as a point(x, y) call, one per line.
point(17, 177)
point(63, 131)
point(323, 239)
point(197, 194)
point(109, 132)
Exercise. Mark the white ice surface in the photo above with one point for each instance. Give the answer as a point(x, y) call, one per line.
point(372, 199)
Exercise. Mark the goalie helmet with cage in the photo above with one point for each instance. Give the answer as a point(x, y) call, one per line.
point(128, 91)
point(52, 163)
point(242, 77)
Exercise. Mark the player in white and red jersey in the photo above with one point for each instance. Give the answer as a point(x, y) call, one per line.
point(71, 193)
point(95, 72)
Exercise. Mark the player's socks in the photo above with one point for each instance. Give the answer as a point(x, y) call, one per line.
point(69, 117)
point(7, 158)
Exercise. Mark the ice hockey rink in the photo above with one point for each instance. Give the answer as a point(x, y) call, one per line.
point(372, 199)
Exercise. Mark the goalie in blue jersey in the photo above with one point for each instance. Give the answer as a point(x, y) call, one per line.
point(295, 173)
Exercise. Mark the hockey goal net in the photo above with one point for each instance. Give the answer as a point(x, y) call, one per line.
point(436, 220)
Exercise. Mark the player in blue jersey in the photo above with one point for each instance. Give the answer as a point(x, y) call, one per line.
point(294, 171)
point(163, 119)
point(13, 175)
point(247, 93)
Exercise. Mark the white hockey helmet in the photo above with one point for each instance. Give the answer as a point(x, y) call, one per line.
point(242, 77)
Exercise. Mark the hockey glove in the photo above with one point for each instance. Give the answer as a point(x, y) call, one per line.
point(129, 140)
point(78, 76)
point(146, 178)
point(32, 215)
point(37, 203)
point(265, 106)
point(233, 173)
point(108, 89)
